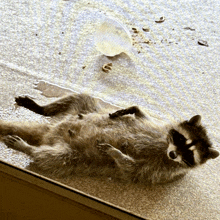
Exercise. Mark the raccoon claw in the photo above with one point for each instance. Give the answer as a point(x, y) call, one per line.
point(24, 101)
point(104, 147)
point(13, 141)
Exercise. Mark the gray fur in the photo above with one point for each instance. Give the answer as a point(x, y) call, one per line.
point(90, 141)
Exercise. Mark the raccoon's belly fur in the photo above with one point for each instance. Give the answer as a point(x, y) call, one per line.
point(72, 147)
point(92, 141)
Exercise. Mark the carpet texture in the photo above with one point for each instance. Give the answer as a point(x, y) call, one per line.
point(168, 74)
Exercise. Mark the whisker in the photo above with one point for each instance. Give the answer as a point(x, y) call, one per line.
point(187, 163)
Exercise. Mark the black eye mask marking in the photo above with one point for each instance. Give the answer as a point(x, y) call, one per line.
point(183, 148)
point(188, 158)
point(188, 155)
point(178, 139)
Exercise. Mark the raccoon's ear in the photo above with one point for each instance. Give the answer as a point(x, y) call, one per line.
point(213, 153)
point(195, 120)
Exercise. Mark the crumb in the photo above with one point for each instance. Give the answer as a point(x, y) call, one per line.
point(135, 30)
point(203, 43)
point(189, 28)
point(84, 67)
point(145, 29)
point(107, 67)
point(162, 19)
point(59, 53)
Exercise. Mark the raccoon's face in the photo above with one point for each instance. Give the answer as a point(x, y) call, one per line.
point(189, 144)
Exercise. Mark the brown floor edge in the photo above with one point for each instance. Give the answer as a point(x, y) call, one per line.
point(26, 195)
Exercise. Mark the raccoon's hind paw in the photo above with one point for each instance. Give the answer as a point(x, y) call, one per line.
point(27, 102)
point(14, 142)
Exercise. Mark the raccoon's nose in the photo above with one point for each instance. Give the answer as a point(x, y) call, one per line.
point(173, 155)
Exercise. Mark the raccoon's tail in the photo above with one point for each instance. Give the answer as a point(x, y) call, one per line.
point(29, 132)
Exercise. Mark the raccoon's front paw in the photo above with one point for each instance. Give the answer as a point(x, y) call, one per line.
point(25, 101)
point(104, 148)
point(110, 150)
point(14, 142)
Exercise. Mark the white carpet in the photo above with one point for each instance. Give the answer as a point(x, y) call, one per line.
point(172, 76)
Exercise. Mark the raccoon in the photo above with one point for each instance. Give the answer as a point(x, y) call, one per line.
point(123, 144)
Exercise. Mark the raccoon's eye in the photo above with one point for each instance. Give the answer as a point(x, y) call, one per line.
point(173, 155)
